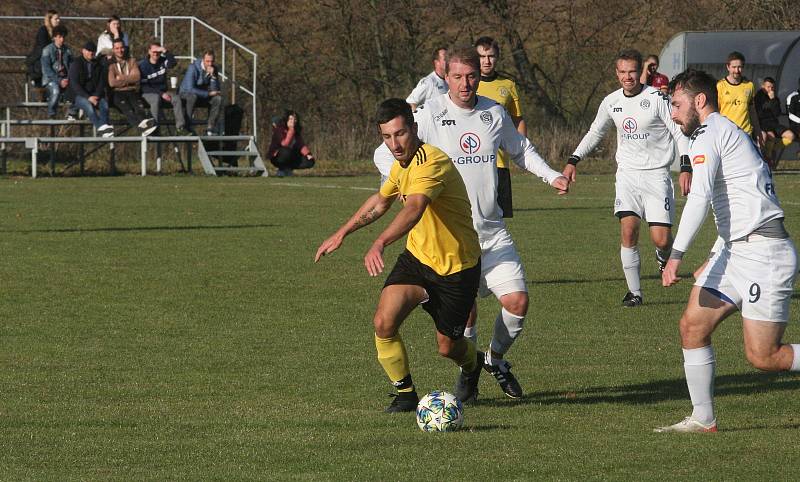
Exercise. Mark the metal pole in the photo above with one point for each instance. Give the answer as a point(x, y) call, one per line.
point(34, 155)
point(255, 83)
point(144, 155)
point(223, 57)
point(81, 151)
point(192, 39)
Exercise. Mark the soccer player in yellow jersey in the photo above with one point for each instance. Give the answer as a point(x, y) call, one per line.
point(440, 267)
point(735, 94)
point(503, 91)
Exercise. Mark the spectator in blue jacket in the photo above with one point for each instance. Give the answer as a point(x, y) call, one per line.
point(56, 58)
point(87, 81)
point(201, 86)
point(154, 86)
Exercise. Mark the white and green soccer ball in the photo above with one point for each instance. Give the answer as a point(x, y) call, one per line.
point(440, 412)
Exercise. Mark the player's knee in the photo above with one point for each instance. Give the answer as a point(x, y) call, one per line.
point(447, 347)
point(764, 361)
point(516, 303)
point(693, 333)
point(384, 328)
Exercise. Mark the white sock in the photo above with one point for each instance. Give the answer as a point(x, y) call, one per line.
point(699, 365)
point(507, 327)
point(796, 359)
point(630, 266)
point(471, 333)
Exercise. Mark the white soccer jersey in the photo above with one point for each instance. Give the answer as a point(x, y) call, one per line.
point(730, 174)
point(383, 159)
point(427, 88)
point(471, 137)
point(646, 134)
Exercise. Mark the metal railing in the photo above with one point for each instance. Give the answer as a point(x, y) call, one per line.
point(228, 67)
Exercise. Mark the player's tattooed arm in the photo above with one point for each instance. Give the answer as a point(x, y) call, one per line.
point(372, 209)
point(366, 218)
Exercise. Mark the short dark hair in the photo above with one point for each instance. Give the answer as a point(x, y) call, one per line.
point(487, 43)
point(60, 30)
point(464, 55)
point(695, 82)
point(655, 57)
point(630, 54)
point(769, 79)
point(209, 52)
point(117, 41)
point(153, 41)
point(391, 108)
point(436, 52)
point(735, 55)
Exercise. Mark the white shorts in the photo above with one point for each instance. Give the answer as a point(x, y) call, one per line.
point(501, 271)
point(649, 194)
point(756, 275)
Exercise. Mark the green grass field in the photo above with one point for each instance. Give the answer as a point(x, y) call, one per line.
point(177, 328)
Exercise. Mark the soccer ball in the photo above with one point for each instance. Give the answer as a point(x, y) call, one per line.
point(440, 412)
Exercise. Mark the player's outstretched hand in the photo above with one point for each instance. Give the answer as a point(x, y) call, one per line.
point(373, 260)
point(670, 274)
point(685, 181)
point(561, 183)
point(570, 171)
point(328, 246)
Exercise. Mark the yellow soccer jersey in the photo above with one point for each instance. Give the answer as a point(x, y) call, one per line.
point(444, 238)
point(734, 102)
point(504, 92)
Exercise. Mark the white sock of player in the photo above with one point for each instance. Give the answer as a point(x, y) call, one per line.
point(471, 332)
point(630, 266)
point(507, 327)
point(796, 359)
point(699, 364)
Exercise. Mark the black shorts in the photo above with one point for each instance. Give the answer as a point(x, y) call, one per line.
point(451, 296)
point(504, 192)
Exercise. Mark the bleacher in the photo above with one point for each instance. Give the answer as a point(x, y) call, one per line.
point(24, 125)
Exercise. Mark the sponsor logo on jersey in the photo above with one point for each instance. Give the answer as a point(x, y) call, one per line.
point(644, 104)
point(697, 132)
point(629, 125)
point(617, 109)
point(448, 122)
point(486, 117)
point(504, 92)
point(439, 116)
point(698, 159)
point(479, 159)
point(470, 143)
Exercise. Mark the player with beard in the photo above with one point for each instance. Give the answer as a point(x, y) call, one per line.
point(646, 139)
point(755, 268)
point(440, 268)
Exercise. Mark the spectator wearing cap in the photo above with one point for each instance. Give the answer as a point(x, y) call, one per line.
point(661, 83)
point(56, 58)
point(651, 76)
point(153, 70)
point(87, 81)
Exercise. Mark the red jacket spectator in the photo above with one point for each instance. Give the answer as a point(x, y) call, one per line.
point(287, 150)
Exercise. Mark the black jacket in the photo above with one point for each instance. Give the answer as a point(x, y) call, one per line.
point(82, 83)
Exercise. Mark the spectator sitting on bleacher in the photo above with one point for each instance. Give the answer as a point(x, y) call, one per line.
point(113, 31)
point(123, 78)
point(201, 86)
point(287, 150)
point(44, 36)
point(87, 80)
point(768, 109)
point(154, 69)
point(56, 58)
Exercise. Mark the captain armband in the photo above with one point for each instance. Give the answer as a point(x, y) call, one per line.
point(574, 160)
point(686, 164)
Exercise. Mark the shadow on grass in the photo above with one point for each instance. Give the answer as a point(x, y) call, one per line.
point(591, 280)
point(654, 392)
point(484, 428)
point(139, 228)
